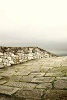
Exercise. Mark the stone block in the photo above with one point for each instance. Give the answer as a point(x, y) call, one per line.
point(7, 73)
point(22, 73)
point(1, 77)
point(8, 90)
point(1, 66)
point(2, 82)
point(44, 86)
point(55, 74)
point(55, 95)
point(8, 64)
point(60, 84)
point(20, 60)
point(11, 62)
point(62, 78)
point(23, 85)
point(42, 79)
point(39, 74)
point(9, 58)
point(34, 94)
point(15, 78)
point(26, 78)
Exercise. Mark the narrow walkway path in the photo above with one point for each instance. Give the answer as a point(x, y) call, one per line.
point(44, 79)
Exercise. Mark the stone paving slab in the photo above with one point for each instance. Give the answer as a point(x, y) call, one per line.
point(7, 90)
point(21, 85)
point(1, 77)
point(14, 78)
point(59, 69)
point(61, 78)
point(7, 73)
point(8, 97)
point(60, 84)
point(35, 69)
point(35, 94)
point(39, 74)
point(2, 81)
point(22, 73)
point(55, 95)
point(26, 78)
point(42, 79)
point(44, 86)
point(55, 74)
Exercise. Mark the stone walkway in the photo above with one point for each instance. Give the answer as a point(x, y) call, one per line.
point(43, 79)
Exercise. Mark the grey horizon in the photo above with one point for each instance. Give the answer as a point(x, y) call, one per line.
point(40, 23)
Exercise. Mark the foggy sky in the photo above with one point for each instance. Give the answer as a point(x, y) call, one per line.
point(41, 23)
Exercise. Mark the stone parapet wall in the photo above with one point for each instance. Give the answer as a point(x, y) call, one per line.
point(15, 55)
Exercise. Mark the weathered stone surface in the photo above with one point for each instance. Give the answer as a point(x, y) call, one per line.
point(1, 66)
point(8, 64)
point(61, 78)
point(44, 86)
point(9, 58)
point(0, 59)
point(30, 94)
point(66, 74)
point(44, 68)
point(1, 54)
point(7, 73)
point(21, 85)
point(56, 95)
point(55, 74)
point(14, 84)
point(38, 74)
point(1, 77)
point(42, 79)
point(8, 97)
point(15, 78)
point(2, 82)
point(22, 73)
point(60, 84)
point(7, 90)
point(30, 80)
point(16, 55)
point(11, 62)
point(26, 78)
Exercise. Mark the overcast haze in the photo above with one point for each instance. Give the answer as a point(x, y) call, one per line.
point(41, 23)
